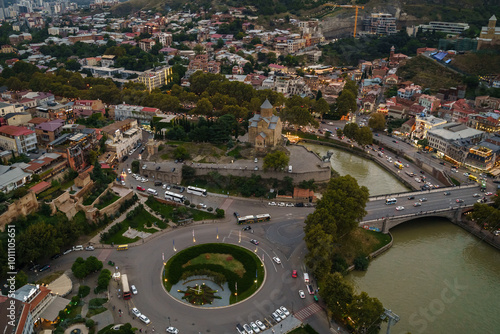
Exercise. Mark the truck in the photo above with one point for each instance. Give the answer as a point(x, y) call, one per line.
point(126, 288)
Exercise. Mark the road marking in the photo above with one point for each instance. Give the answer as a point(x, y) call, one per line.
point(226, 204)
point(307, 311)
point(104, 254)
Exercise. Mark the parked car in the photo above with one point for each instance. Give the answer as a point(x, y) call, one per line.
point(144, 319)
point(276, 317)
point(45, 267)
point(255, 328)
point(136, 312)
point(281, 314)
point(260, 324)
point(284, 310)
point(67, 251)
point(289, 204)
point(55, 256)
point(271, 203)
point(141, 188)
point(89, 248)
point(248, 329)
point(133, 289)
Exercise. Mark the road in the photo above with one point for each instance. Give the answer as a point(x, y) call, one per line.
point(435, 200)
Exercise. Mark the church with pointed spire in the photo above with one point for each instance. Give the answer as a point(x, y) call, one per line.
point(490, 35)
point(264, 129)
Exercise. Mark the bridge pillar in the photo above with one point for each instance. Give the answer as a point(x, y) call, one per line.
point(385, 229)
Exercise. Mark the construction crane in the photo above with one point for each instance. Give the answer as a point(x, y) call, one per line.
point(348, 6)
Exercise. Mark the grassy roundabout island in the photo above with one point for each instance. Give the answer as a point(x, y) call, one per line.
point(240, 268)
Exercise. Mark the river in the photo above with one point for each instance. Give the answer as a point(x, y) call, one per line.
point(437, 277)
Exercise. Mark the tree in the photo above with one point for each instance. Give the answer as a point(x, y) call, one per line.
point(423, 142)
point(365, 313)
point(21, 279)
point(198, 49)
point(351, 86)
point(93, 264)
point(364, 136)
point(346, 103)
point(377, 122)
point(319, 95)
point(276, 160)
point(337, 293)
point(73, 65)
point(321, 106)
point(39, 240)
point(181, 153)
point(351, 130)
point(321, 250)
point(204, 107)
point(340, 133)
point(135, 166)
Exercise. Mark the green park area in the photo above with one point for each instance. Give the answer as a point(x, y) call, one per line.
point(240, 268)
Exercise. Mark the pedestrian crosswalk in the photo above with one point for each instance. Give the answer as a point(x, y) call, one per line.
point(104, 254)
point(226, 204)
point(307, 311)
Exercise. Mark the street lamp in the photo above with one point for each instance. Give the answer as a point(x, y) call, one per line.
point(169, 324)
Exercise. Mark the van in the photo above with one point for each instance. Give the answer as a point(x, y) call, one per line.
point(306, 278)
point(290, 169)
point(78, 248)
point(152, 192)
point(122, 247)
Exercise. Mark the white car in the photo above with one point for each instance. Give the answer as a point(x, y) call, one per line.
point(400, 208)
point(248, 329)
point(123, 183)
point(89, 248)
point(129, 171)
point(476, 195)
point(281, 314)
point(260, 324)
point(144, 167)
point(136, 312)
point(289, 204)
point(133, 289)
point(284, 310)
point(276, 317)
point(277, 260)
point(172, 330)
point(144, 319)
point(204, 206)
point(302, 294)
point(272, 203)
point(143, 180)
point(164, 186)
point(255, 328)
point(281, 204)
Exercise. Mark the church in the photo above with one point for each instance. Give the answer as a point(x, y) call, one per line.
point(264, 129)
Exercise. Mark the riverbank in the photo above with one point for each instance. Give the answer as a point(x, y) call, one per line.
point(358, 151)
point(482, 234)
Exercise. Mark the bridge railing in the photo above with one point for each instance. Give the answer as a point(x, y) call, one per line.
point(404, 194)
point(421, 213)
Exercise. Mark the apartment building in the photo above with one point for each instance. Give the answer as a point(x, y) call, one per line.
point(155, 78)
point(446, 27)
point(122, 136)
point(139, 113)
point(17, 138)
point(380, 24)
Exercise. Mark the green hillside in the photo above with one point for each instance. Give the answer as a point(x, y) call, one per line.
point(429, 74)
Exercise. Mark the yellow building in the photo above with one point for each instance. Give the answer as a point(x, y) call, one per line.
point(264, 129)
point(490, 35)
point(155, 79)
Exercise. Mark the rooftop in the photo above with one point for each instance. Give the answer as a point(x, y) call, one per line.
point(15, 130)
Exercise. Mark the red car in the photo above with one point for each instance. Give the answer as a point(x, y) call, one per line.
point(141, 188)
point(294, 273)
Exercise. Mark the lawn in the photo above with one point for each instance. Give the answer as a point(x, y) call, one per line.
point(95, 306)
point(363, 241)
point(307, 329)
point(225, 260)
point(107, 200)
point(143, 222)
point(167, 211)
point(50, 278)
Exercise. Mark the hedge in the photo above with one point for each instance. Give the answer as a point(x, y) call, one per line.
point(250, 262)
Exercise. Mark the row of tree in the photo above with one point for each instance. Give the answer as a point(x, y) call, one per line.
point(327, 229)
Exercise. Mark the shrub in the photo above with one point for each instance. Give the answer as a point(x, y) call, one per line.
point(89, 323)
point(83, 291)
point(361, 263)
point(210, 209)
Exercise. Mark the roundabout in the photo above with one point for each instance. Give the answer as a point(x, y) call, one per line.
point(213, 275)
point(145, 265)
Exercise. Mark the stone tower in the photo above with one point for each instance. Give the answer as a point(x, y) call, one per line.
point(266, 109)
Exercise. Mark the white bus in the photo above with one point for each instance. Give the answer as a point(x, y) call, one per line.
point(254, 219)
point(390, 201)
point(170, 196)
point(196, 191)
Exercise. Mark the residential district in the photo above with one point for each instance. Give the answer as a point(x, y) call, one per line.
point(112, 122)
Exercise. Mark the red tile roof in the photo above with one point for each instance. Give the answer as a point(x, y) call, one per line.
point(38, 188)
point(15, 130)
